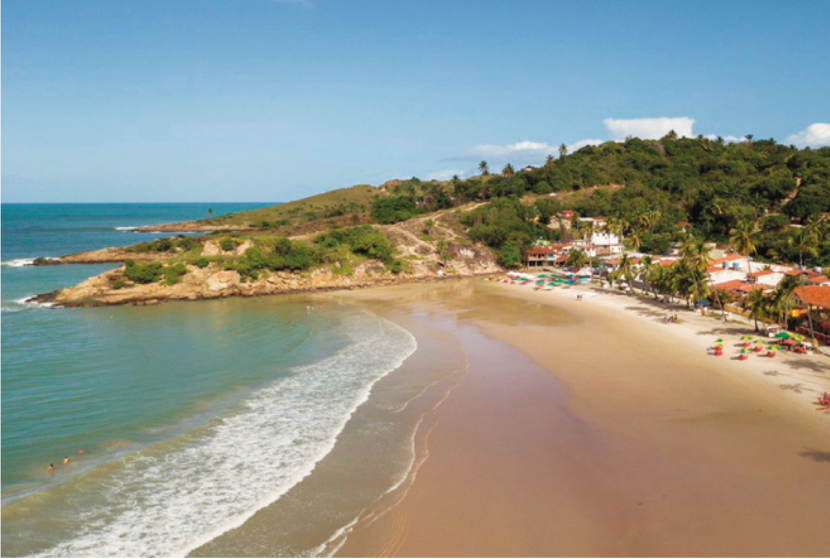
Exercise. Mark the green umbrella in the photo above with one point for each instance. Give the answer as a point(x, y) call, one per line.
point(782, 335)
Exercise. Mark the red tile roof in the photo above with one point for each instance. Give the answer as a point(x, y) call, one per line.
point(816, 295)
point(817, 279)
point(761, 273)
point(730, 285)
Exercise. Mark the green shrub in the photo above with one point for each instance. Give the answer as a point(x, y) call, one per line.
point(393, 210)
point(173, 274)
point(200, 262)
point(118, 283)
point(142, 273)
point(229, 244)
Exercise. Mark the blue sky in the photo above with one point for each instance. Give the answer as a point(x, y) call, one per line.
point(267, 100)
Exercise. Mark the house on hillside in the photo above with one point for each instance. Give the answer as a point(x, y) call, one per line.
point(565, 217)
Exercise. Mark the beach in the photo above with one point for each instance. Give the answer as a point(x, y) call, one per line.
point(593, 428)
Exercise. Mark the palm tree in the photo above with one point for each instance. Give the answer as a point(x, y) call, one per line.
point(804, 241)
point(757, 304)
point(549, 159)
point(577, 258)
point(563, 150)
point(742, 238)
point(508, 170)
point(694, 255)
point(635, 236)
point(483, 168)
point(626, 269)
point(646, 265)
point(782, 296)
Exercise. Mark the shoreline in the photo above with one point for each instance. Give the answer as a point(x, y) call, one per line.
point(681, 453)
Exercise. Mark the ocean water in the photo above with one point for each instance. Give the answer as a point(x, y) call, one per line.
point(192, 416)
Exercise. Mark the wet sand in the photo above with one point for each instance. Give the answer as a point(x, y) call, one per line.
point(591, 428)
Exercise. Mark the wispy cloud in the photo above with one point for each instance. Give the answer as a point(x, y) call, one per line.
point(728, 138)
point(648, 128)
point(815, 135)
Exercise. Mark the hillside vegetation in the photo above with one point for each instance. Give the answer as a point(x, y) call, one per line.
point(756, 190)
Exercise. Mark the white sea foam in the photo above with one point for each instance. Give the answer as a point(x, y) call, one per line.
point(18, 262)
point(132, 228)
point(25, 303)
point(170, 503)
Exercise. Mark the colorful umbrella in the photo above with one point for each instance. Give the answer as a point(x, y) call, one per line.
point(746, 337)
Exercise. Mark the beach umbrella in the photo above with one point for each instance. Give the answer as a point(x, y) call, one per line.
point(719, 340)
point(543, 275)
point(746, 337)
point(782, 335)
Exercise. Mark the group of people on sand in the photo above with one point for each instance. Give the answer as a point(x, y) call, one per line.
point(66, 461)
point(670, 318)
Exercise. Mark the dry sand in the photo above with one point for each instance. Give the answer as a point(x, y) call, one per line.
point(592, 428)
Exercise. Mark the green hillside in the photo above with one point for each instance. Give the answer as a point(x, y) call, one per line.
point(644, 187)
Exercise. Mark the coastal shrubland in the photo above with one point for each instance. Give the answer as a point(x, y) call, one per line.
point(179, 243)
point(151, 272)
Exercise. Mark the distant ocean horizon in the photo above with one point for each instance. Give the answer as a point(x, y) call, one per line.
point(191, 416)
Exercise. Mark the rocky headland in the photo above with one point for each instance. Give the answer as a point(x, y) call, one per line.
point(205, 273)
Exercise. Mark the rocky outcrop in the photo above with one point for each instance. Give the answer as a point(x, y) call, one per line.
point(110, 254)
point(212, 283)
point(189, 227)
point(430, 248)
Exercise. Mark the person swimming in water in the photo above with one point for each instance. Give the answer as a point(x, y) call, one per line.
point(51, 468)
point(66, 460)
point(80, 451)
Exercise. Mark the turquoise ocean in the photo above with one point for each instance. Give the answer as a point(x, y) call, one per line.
point(192, 416)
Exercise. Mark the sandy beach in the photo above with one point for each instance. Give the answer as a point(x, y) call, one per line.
point(592, 428)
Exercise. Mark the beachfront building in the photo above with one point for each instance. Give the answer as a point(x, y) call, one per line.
point(765, 277)
point(816, 299)
point(541, 255)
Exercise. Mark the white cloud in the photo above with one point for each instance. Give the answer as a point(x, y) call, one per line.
point(582, 143)
point(815, 135)
point(445, 175)
point(728, 138)
point(648, 128)
point(519, 151)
